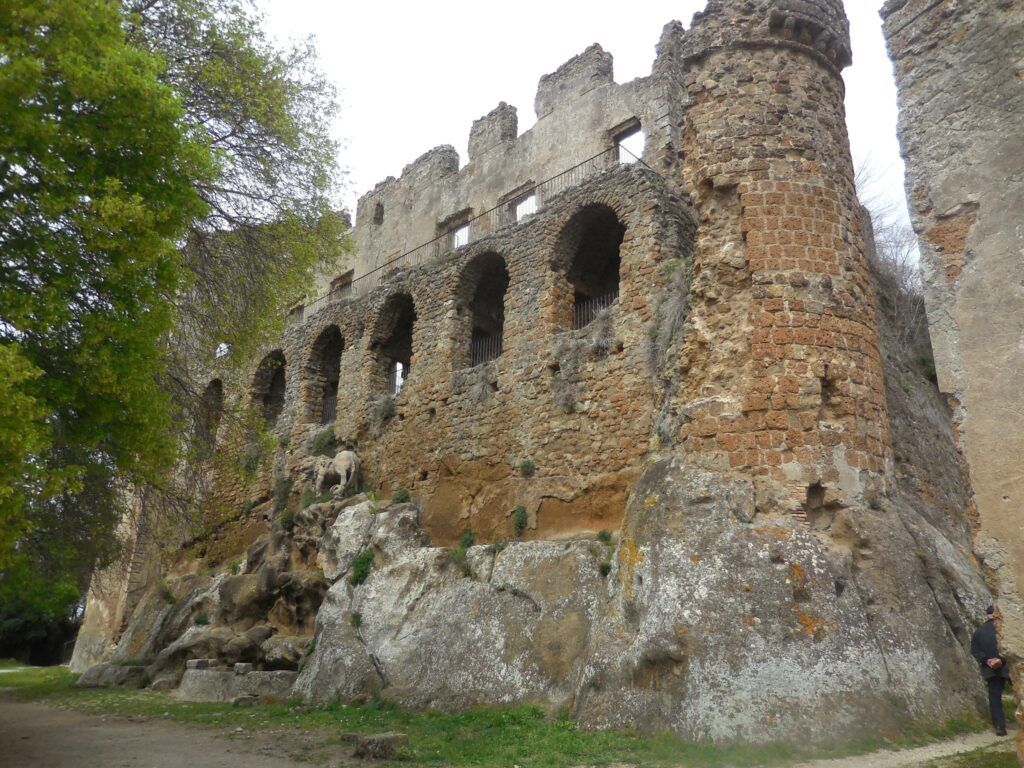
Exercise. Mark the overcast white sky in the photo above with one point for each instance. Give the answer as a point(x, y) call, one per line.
point(412, 75)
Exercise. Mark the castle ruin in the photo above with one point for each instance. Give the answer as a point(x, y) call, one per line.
point(653, 315)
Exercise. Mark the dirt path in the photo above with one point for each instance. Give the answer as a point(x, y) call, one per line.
point(909, 758)
point(36, 736)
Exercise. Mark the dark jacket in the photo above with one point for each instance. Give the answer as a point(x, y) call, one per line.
point(984, 647)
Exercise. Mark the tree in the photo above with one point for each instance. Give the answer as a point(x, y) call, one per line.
point(270, 216)
point(97, 186)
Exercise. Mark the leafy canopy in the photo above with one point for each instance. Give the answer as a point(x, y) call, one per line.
point(97, 184)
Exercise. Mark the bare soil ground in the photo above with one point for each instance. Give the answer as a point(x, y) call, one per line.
point(37, 736)
point(919, 756)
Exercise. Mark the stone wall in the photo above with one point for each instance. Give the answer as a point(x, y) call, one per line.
point(959, 69)
point(726, 419)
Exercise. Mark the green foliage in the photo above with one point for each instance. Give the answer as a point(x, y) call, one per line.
point(166, 594)
point(133, 663)
point(605, 568)
point(357, 619)
point(605, 537)
point(520, 519)
point(236, 568)
point(252, 457)
point(457, 555)
point(401, 496)
point(249, 506)
point(324, 443)
point(361, 567)
point(496, 547)
point(527, 468)
point(282, 490)
point(96, 187)
point(308, 497)
point(201, 619)
point(287, 521)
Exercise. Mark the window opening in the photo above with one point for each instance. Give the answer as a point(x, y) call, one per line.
point(487, 308)
point(630, 146)
point(593, 271)
point(341, 286)
point(211, 409)
point(269, 387)
point(526, 206)
point(395, 352)
point(460, 236)
point(378, 213)
point(324, 373)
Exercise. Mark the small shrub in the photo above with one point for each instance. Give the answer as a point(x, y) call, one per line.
point(357, 619)
point(605, 536)
point(287, 521)
point(527, 468)
point(310, 648)
point(282, 490)
point(497, 546)
point(249, 506)
point(520, 520)
point(324, 443)
point(401, 496)
point(361, 567)
point(308, 497)
point(284, 442)
point(371, 495)
point(605, 567)
point(167, 595)
point(457, 554)
point(235, 568)
point(325, 496)
point(251, 459)
point(201, 619)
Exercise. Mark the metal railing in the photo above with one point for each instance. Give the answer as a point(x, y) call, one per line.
point(483, 350)
point(487, 223)
point(586, 309)
point(329, 408)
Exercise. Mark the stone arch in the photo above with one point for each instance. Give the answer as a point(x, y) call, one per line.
point(211, 409)
point(268, 387)
point(392, 343)
point(480, 309)
point(322, 375)
point(588, 255)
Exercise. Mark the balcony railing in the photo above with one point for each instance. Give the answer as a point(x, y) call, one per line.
point(487, 223)
point(586, 309)
point(483, 350)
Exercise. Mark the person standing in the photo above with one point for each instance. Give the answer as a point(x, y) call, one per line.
point(993, 668)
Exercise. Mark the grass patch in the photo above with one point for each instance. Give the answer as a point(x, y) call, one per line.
point(487, 737)
point(999, 756)
point(10, 664)
point(361, 567)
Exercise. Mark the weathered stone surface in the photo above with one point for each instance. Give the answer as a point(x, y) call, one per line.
point(959, 70)
point(112, 676)
point(345, 539)
point(226, 686)
point(381, 746)
point(284, 651)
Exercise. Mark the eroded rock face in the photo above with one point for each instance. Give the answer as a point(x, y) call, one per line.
point(721, 628)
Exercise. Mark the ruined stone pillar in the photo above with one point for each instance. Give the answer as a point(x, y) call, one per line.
point(960, 72)
point(786, 314)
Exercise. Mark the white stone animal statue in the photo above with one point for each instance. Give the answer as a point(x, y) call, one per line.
point(342, 469)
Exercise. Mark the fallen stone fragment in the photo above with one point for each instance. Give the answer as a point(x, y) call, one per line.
point(380, 746)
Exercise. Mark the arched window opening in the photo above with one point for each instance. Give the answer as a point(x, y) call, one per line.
point(269, 387)
point(211, 408)
point(591, 241)
point(324, 372)
point(485, 282)
point(395, 341)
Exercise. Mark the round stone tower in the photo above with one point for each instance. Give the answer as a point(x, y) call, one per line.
point(787, 375)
